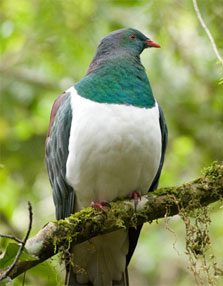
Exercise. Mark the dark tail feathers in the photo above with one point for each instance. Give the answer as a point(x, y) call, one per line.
point(71, 280)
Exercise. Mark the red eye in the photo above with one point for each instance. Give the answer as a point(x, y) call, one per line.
point(132, 37)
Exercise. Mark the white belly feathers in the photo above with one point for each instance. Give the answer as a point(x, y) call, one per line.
point(113, 149)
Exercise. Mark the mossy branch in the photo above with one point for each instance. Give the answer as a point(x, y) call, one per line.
point(57, 236)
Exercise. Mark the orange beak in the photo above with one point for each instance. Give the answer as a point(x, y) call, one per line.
point(151, 44)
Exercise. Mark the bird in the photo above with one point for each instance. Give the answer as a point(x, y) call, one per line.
point(106, 140)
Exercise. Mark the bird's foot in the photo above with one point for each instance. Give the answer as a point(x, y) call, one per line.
point(135, 196)
point(100, 205)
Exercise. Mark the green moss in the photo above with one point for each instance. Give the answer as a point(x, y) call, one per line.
point(164, 191)
point(198, 243)
point(213, 171)
point(186, 200)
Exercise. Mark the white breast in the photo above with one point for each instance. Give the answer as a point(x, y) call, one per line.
point(113, 149)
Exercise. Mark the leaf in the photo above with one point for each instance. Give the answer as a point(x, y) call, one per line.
point(10, 254)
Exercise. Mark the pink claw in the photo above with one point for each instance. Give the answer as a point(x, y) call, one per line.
point(100, 205)
point(135, 196)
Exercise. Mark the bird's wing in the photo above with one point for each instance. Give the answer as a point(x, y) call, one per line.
point(134, 232)
point(164, 138)
point(56, 155)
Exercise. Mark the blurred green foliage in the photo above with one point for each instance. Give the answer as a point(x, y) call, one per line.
point(45, 47)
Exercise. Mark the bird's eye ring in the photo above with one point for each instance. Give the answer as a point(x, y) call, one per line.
point(132, 37)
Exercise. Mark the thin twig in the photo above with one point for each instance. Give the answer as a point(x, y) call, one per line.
point(173, 232)
point(11, 237)
point(24, 278)
point(207, 31)
point(6, 273)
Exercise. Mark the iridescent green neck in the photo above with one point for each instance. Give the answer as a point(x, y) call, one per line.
point(118, 80)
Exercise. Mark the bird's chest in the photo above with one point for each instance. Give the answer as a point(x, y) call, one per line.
point(113, 150)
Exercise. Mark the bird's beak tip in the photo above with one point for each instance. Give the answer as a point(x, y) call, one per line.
point(152, 44)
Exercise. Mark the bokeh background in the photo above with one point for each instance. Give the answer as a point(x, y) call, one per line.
point(45, 47)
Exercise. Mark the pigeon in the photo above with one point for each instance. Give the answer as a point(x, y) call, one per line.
point(106, 140)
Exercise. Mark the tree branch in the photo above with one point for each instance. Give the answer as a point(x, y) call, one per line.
point(7, 271)
point(207, 31)
point(27, 76)
point(81, 226)
point(11, 237)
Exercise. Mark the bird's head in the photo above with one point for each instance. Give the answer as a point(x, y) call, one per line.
point(120, 44)
point(124, 41)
